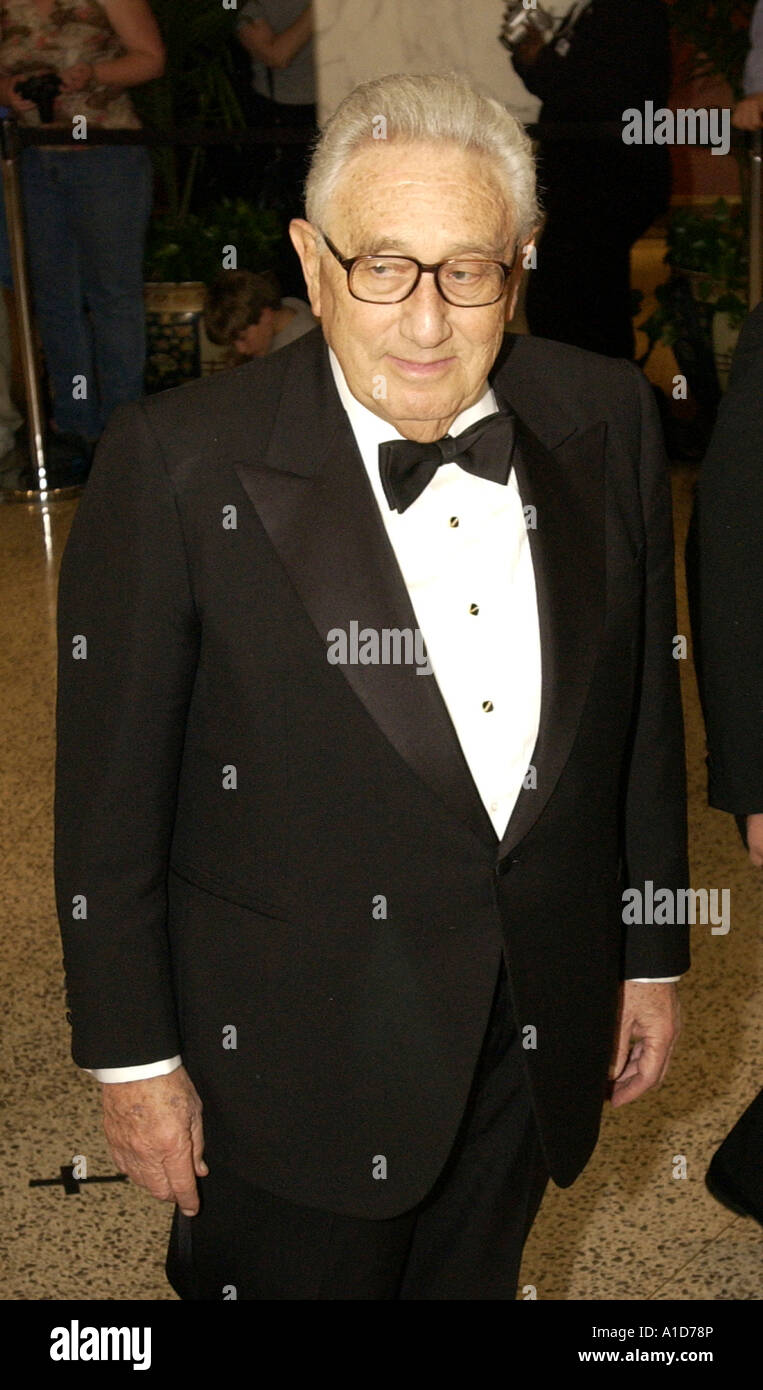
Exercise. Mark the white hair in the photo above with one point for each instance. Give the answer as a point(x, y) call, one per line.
point(426, 107)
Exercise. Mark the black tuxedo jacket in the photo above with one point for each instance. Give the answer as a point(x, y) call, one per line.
point(232, 806)
point(726, 576)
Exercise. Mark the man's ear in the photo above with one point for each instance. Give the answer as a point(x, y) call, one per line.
point(303, 239)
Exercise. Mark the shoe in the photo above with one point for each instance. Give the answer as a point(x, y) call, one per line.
point(57, 476)
point(721, 1186)
point(68, 458)
point(68, 447)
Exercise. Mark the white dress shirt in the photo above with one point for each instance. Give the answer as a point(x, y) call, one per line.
point(464, 554)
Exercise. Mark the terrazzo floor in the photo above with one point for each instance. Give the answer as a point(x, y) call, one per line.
point(627, 1229)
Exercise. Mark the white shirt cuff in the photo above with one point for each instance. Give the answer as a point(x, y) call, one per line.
point(653, 979)
point(140, 1073)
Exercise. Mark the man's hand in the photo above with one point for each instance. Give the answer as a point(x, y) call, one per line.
point(9, 95)
point(530, 46)
point(755, 839)
point(155, 1135)
point(748, 114)
point(648, 1027)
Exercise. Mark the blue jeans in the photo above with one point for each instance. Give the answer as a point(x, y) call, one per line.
point(86, 216)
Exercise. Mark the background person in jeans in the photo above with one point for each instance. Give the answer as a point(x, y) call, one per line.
point(86, 207)
point(278, 36)
point(10, 420)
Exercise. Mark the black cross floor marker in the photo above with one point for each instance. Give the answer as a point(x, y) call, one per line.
point(70, 1184)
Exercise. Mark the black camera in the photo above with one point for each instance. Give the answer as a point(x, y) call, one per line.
point(42, 90)
point(519, 22)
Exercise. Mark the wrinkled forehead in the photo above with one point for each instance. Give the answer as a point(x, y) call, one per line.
point(420, 193)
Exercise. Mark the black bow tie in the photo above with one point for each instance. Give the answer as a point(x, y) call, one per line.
point(485, 449)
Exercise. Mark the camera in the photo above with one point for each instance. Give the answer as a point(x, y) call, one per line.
point(518, 22)
point(42, 89)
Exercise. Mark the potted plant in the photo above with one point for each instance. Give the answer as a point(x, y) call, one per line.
point(701, 307)
point(707, 249)
point(182, 257)
point(188, 231)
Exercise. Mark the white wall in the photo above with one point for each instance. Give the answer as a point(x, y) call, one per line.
point(360, 39)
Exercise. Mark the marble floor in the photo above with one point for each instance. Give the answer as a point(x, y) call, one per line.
point(627, 1229)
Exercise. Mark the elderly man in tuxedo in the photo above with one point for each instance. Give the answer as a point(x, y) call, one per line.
point(368, 717)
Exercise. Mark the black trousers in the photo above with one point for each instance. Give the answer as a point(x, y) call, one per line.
point(463, 1241)
point(599, 200)
point(738, 1163)
point(580, 292)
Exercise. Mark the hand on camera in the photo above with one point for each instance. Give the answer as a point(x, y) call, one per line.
point(9, 96)
point(531, 45)
point(76, 78)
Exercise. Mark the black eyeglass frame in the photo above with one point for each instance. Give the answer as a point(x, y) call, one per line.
point(347, 263)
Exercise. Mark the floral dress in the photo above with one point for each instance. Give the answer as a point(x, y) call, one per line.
point(76, 31)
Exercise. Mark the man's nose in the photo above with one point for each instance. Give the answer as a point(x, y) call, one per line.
point(424, 316)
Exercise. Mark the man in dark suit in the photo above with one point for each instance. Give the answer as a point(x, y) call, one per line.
point(725, 560)
point(727, 589)
point(600, 195)
point(369, 916)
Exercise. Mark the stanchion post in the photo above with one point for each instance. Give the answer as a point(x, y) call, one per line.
point(14, 212)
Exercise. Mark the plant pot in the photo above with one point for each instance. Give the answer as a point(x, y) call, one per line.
point(721, 330)
point(725, 338)
point(177, 348)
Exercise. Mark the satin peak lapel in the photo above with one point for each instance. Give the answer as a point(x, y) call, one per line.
point(315, 502)
point(565, 487)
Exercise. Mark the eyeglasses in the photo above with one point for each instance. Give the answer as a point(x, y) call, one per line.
point(465, 281)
